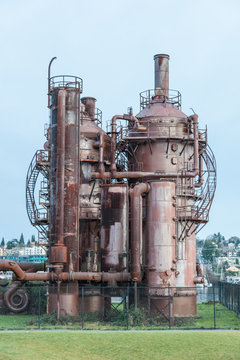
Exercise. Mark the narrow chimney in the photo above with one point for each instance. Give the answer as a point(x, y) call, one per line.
point(161, 74)
point(89, 103)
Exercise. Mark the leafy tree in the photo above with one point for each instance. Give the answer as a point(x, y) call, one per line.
point(200, 243)
point(12, 243)
point(3, 242)
point(234, 239)
point(33, 240)
point(28, 243)
point(21, 241)
point(237, 261)
point(210, 250)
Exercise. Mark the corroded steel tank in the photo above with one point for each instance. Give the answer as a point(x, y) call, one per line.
point(94, 153)
point(64, 190)
point(164, 144)
point(92, 139)
point(114, 227)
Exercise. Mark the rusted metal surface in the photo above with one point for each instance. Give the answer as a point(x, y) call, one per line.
point(89, 103)
point(94, 155)
point(60, 167)
point(114, 227)
point(161, 74)
point(15, 298)
point(137, 229)
point(6, 265)
point(160, 240)
point(92, 175)
point(58, 254)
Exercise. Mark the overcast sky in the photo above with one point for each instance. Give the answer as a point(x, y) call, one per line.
point(110, 44)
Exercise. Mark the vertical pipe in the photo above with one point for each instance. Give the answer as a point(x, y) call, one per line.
point(49, 79)
point(136, 229)
point(161, 74)
point(196, 152)
point(101, 156)
point(62, 94)
point(71, 198)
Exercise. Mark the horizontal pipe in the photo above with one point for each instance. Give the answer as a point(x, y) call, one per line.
point(198, 280)
point(32, 267)
point(8, 265)
point(142, 175)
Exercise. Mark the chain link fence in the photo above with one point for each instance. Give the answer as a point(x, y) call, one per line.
point(122, 308)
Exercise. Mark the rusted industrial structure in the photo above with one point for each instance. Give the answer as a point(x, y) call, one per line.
point(122, 206)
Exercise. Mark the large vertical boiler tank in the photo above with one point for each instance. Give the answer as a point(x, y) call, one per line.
point(64, 190)
point(165, 145)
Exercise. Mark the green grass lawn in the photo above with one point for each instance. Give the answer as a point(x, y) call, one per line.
point(225, 319)
point(120, 345)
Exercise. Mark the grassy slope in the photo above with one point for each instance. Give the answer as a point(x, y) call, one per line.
point(120, 346)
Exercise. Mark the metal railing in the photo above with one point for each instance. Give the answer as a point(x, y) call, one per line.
point(66, 81)
point(37, 216)
point(149, 97)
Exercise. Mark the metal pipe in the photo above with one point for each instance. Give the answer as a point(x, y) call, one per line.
point(198, 280)
point(101, 159)
point(161, 74)
point(114, 134)
point(136, 229)
point(200, 175)
point(6, 265)
point(142, 175)
point(22, 297)
point(62, 95)
point(49, 78)
point(195, 134)
point(32, 267)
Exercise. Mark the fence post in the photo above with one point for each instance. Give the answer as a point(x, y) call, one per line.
point(39, 307)
point(214, 307)
point(169, 307)
point(127, 307)
point(82, 307)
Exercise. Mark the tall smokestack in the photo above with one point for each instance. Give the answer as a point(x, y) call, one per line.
point(161, 74)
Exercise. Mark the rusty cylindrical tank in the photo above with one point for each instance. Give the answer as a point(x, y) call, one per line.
point(64, 194)
point(166, 146)
point(94, 155)
point(114, 228)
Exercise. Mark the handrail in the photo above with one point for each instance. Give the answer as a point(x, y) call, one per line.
point(37, 216)
point(66, 81)
point(152, 96)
